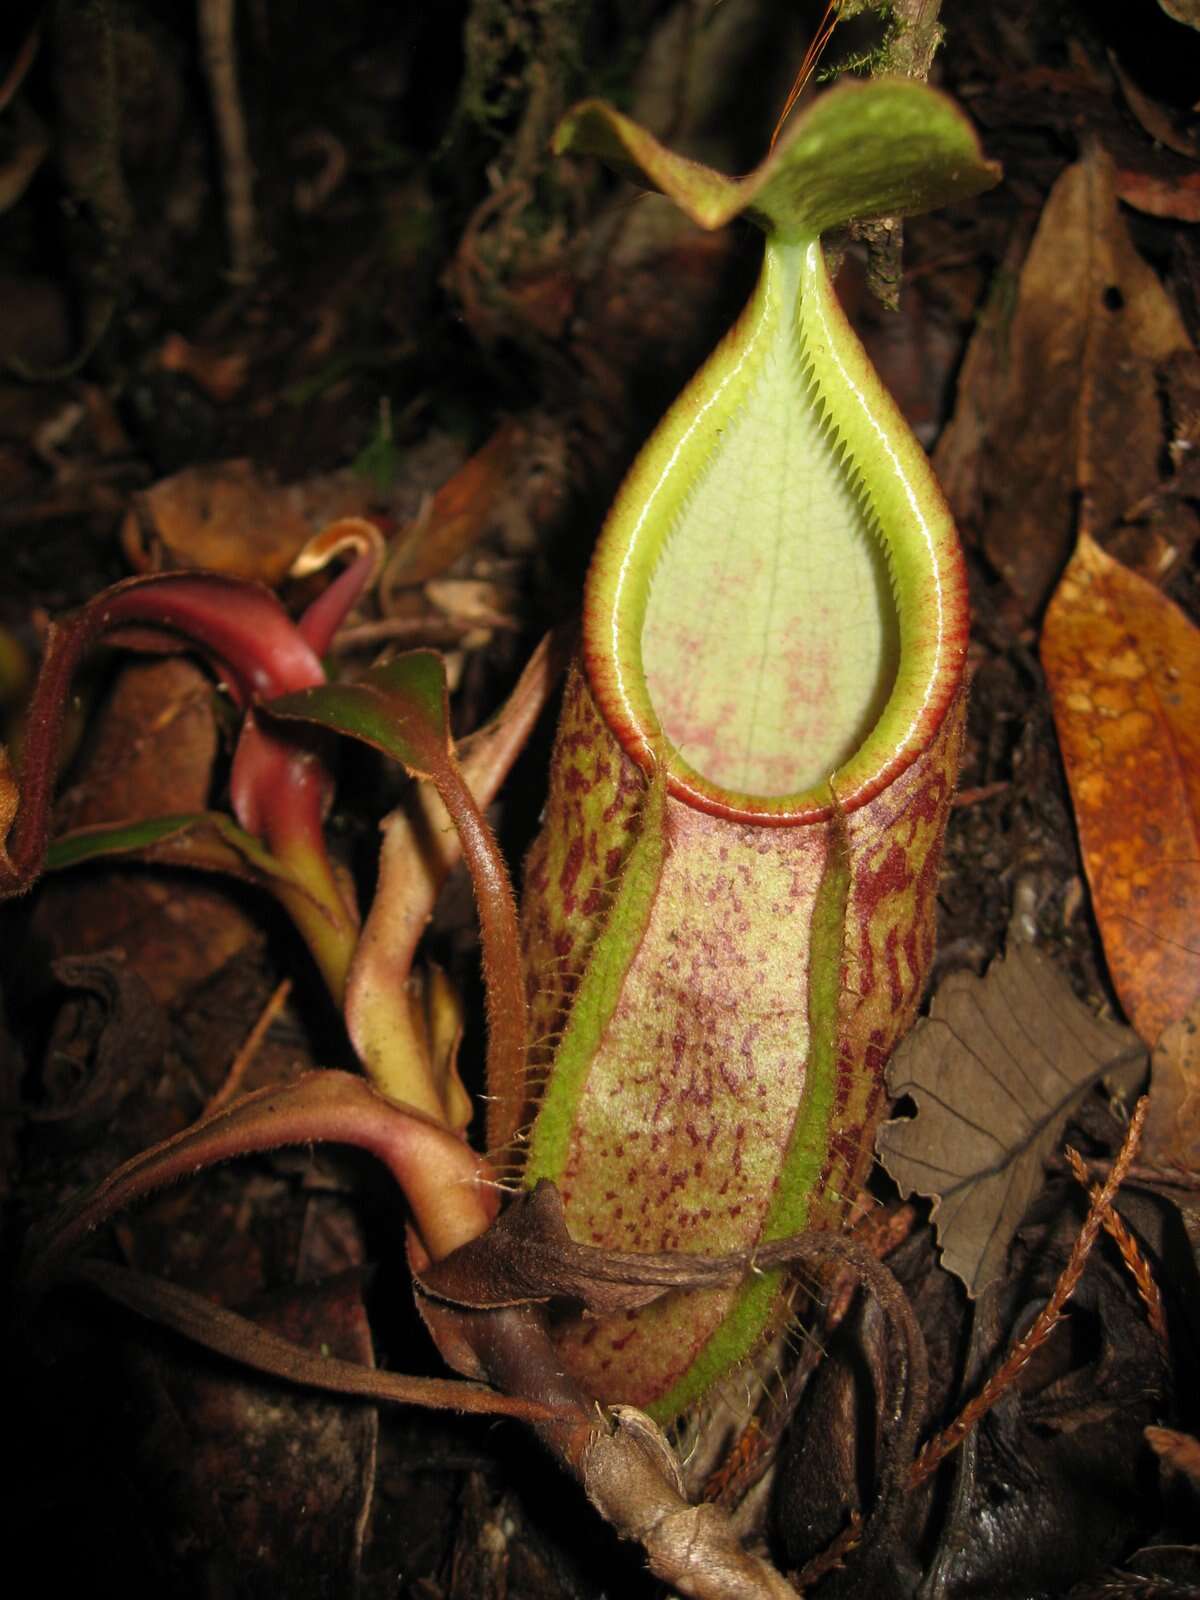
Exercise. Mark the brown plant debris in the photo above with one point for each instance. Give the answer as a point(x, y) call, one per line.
point(995, 1070)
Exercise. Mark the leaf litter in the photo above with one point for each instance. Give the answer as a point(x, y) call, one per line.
point(1059, 399)
point(1123, 667)
point(995, 1070)
point(1017, 467)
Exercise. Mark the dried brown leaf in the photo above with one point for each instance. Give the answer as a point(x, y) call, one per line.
point(1185, 11)
point(150, 748)
point(303, 1463)
point(101, 1046)
point(229, 517)
point(150, 753)
point(457, 516)
point(1173, 1126)
point(1179, 1451)
point(176, 929)
point(995, 1070)
point(1175, 195)
point(1058, 413)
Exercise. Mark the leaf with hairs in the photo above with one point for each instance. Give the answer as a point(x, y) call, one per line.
point(436, 1171)
point(208, 840)
point(215, 1328)
point(401, 708)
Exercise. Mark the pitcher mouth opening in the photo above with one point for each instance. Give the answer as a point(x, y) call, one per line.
point(786, 639)
point(800, 683)
point(889, 711)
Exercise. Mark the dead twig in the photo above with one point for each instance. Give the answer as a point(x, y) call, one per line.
point(237, 169)
point(942, 1444)
point(1131, 1255)
point(833, 1556)
point(240, 1064)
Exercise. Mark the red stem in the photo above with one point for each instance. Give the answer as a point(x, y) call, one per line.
point(440, 1176)
point(502, 969)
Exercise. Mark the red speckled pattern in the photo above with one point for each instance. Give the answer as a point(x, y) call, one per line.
point(684, 1122)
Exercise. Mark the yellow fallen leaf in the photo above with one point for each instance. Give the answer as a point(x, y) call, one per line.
point(1123, 665)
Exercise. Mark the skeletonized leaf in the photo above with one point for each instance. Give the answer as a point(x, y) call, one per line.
point(1123, 665)
point(995, 1070)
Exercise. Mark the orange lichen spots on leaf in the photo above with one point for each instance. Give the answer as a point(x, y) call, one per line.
point(1123, 665)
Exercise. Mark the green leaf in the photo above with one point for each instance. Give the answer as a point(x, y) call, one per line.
point(889, 147)
point(399, 708)
point(204, 839)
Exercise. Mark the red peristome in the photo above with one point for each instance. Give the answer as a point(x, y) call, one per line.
point(949, 614)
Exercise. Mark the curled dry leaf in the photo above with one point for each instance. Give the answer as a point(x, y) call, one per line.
point(101, 1046)
point(1162, 195)
point(232, 518)
point(1123, 666)
point(995, 1070)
